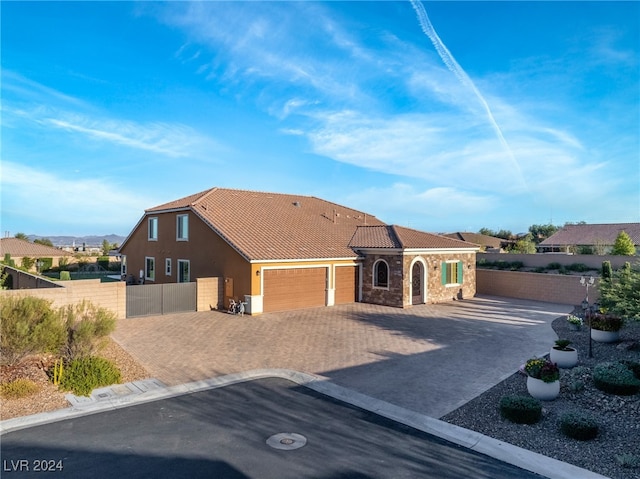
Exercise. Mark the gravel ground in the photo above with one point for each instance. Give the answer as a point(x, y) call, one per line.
point(618, 417)
point(48, 397)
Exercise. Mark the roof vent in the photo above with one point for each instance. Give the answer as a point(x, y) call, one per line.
point(296, 204)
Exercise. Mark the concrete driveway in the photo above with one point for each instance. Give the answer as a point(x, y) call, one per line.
point(429, 358)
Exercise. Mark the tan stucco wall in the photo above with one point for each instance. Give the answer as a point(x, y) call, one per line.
point(111, 296)
point(553, 288)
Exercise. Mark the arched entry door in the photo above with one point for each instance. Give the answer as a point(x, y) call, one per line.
point(417, 289)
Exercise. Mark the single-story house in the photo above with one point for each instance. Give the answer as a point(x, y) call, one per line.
point(16, 249)
point(281, 252)
point(593, 238)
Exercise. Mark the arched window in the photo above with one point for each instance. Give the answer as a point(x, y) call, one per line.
point(381, 274)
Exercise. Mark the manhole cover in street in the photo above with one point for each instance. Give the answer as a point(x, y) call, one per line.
point(287, 441)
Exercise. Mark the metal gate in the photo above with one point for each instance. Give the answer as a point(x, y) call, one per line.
point(153, 299)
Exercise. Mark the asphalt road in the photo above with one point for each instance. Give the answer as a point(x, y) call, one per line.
point(223, 433)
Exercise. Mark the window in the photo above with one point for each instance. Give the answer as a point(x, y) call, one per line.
point(182, 228)
point(183, 270)
point(150, 268)
point(381, 274)
point(153, 229)
point(123, 265)
point(167, 266)
point(452, 273)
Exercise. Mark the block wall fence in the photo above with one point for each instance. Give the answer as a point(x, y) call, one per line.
point(552, 288)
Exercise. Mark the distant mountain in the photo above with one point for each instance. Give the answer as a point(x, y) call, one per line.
point(88, 241)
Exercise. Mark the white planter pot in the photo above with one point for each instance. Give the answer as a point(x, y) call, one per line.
point(541, 390)
point(564, 359)
point(605, 336)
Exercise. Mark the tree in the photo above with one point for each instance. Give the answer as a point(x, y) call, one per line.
point(524, 245)
point(106, 247)
point(623, 245)
point(504, 234)
point(542, 232)
point(43, 241)
point(21, 236)
point(621, 293)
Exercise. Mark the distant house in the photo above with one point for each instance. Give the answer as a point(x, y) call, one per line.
point(16, 249)
point(594, 238)
point(282, 252)
point(487, 243)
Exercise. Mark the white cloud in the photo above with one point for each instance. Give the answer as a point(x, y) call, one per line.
point(420, 208)
point(78, 203)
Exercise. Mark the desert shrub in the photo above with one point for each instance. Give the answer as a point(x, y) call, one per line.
point(615, 378)
point(539, 269)
point(578, 425)
point(554, 265)
point(633, 366)
point(83, 375)
point(516, 265)
point(27, 263)
point(87, 325)
point(19, 388)
point(520, 409)
point(628, 460)
point(29, 326)
point(579, 267)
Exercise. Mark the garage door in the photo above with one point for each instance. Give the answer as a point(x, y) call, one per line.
point(294, 288)
point(346, 284)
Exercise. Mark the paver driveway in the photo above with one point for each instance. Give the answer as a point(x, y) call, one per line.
point(428, 358)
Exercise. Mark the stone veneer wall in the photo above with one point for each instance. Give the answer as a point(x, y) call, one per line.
point(398, 293)
point(393, 296)
point(436, 291)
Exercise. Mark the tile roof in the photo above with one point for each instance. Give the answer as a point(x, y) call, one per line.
point(399, 237)
point(276, 226)
point(586, 234)
point(19, 248)
point(477, 238)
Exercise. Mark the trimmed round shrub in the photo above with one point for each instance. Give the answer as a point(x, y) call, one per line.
point(615, 378)
point(578, 425)
point(19, 388)
point(83, 375)
point(521, 409)
point(633, 366)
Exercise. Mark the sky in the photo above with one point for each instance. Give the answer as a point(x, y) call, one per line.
point(439, 116)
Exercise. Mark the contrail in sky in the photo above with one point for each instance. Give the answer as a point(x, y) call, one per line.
point(456, 69)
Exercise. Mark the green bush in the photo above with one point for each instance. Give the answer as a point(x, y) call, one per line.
point(20, 388)
point(83, 375)
point(521, 409)
point(46, 263)
point(86, 325)
point(607, 270)
point(29, 326)
point(27, 263)
point(103, 262)
point(554, 266)
point(65, 276)
point(578, 425)
point(579, 267)
point(633, 366)
point(615, 378)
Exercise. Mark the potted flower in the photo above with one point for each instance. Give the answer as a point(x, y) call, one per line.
point(605, 327)
point(543, 378)
point(563, 355)
point(575, 323)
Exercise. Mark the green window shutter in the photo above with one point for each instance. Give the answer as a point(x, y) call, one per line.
point(460, 271)
point(443, 268)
